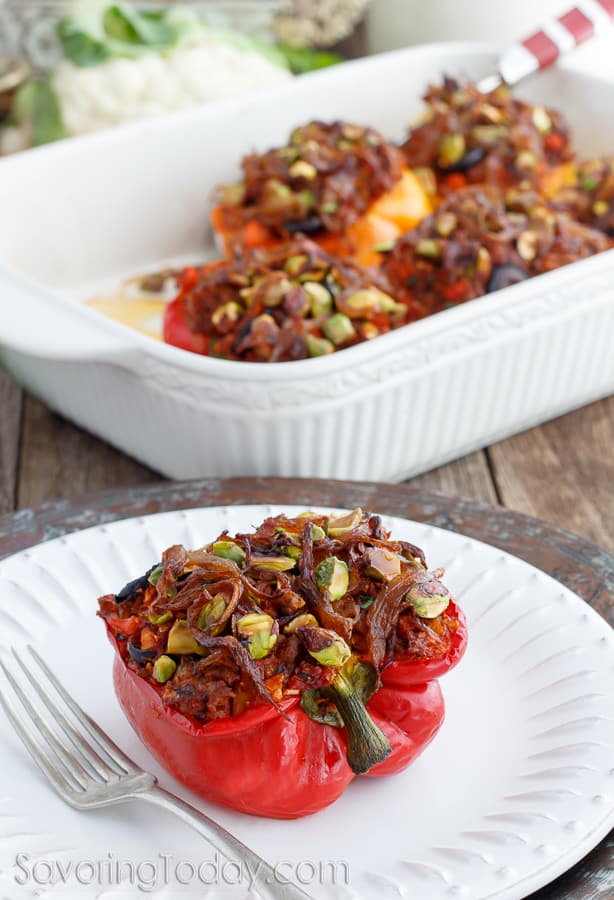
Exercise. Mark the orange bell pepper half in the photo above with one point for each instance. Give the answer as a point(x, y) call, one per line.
point(392, 214)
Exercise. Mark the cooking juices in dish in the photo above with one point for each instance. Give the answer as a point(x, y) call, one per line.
point(266, 670)
point(483, 193)
point(140, 302)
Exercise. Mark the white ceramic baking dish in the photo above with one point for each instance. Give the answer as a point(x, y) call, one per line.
point(91, 210)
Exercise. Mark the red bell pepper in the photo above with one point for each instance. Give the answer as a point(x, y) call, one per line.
point(176, 332)
point(255, 703)
point(404, 672)
point(277, 764)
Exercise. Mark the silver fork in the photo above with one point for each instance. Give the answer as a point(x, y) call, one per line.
point(88, 771)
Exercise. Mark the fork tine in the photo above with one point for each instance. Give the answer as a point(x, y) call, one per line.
point(38, 753)
point(101, 740)
point(99, 767)
point(67, 760)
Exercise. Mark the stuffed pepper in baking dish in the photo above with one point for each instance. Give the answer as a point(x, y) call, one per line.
point(268, 669)
point(480, 240)
point(279, 304)
point(469, 137)
point(342, 184)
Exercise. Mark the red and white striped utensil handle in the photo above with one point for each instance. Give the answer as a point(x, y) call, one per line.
point(557, 37)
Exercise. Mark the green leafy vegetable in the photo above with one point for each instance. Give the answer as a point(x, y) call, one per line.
point(80, 48)
point(37, 103)
point(306, 59)
point(95, 31)
point(123, 23)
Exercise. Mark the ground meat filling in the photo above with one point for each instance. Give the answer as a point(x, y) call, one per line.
point(262, 616)
point(203, 688)
point(468, 137)
point(418, 638)
point(480, 240)
point(324, 179)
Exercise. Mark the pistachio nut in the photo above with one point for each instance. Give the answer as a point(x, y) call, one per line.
point(260, 632)
point(164, 668)
point(341, 524)
point(229, 550)
point(326, 646)
point(332, 575)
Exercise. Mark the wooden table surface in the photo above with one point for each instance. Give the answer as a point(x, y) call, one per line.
point(562, 472)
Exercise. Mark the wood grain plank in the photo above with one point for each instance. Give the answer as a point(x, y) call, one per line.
point(60, 460)
point(10, 416)
point(467, 477)
point(563, 472)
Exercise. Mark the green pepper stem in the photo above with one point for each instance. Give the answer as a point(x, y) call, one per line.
point(367, 744)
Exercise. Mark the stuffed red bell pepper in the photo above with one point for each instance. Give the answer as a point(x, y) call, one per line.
point(342, 184)
point(482, 240)
point(280, 304)
point(266, 670)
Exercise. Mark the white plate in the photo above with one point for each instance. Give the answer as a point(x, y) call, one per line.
point(516, 788)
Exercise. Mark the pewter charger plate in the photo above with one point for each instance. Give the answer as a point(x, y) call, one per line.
point(516, 788)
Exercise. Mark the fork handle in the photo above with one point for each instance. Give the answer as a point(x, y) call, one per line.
point(269, 885)
point(554, 39)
